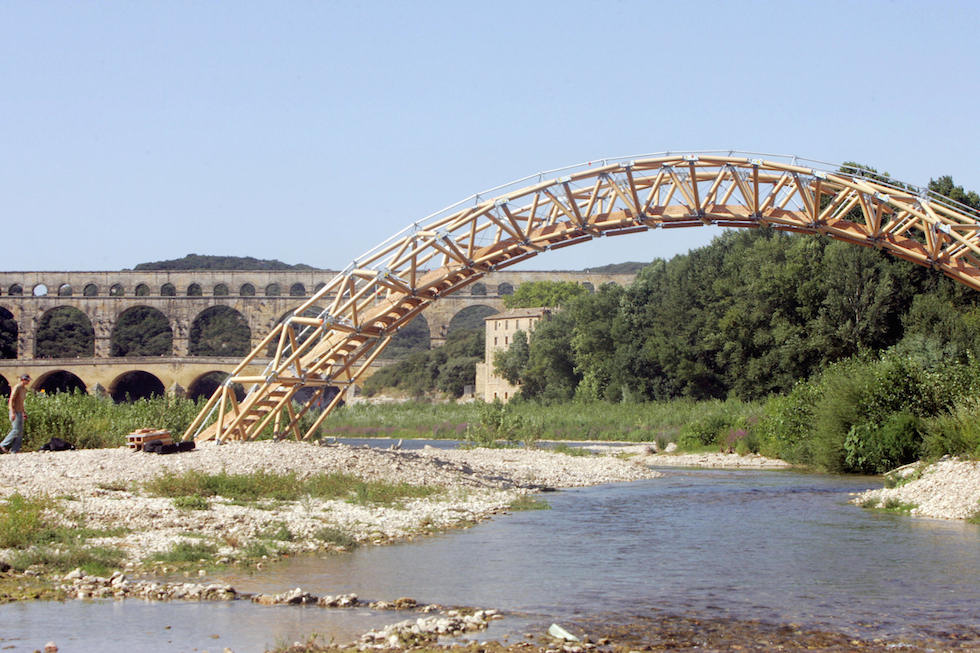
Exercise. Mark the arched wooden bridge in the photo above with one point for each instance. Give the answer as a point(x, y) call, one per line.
point(384, 289)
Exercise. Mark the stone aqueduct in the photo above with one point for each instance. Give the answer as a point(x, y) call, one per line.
point(262, 298)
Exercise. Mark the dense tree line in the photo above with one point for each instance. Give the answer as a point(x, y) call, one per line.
point(747, 316)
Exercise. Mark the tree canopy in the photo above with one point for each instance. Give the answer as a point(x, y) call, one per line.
point(532, 294)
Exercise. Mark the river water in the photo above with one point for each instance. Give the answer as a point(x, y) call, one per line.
point(780, 547)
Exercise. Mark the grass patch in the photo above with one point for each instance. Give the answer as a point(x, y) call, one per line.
point(528, 502)
point(257, 549)
point(561, 447)
point(95, 560)
point(897, 480)
point(36, 540)
point(262, 487)
point(192, 502)
point(975, 519)
point(894, 505)
point(335, 536)
point(279, 532)
point(184, 552)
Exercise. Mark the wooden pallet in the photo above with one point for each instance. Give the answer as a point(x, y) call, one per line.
point(138, 438)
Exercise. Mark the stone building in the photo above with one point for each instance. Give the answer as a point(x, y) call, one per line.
point(500, 330)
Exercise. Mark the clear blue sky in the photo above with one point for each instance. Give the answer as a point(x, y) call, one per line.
point(310, 131)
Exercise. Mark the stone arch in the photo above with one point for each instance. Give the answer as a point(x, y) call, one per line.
point(206, 384)
point(90, 290)
point(505, 288)
point(470, 317)
point(65, 290)
point(40, 290)
point(194, 290)
point(135, 385)
point(318, 287)
point(478, 288)
point(116, 290)
point(8, 334)
point(219, 331)
point(221, 290)
point(247, 290)
point(141, 331)
point(58, 381)
point(297, 290)
point(142, 290)
point(588, 286)
point(168, 290)
point(4, 387)
point(273, 290)
point(15, 290)
point(64, 332)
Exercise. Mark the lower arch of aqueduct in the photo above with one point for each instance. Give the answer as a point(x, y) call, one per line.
point(182, 297)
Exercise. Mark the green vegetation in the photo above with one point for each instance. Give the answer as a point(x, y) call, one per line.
point(33, 530)
point(571, 451)
point(142, 331)
point(336, 537)
point(262, 486)
point(528, 502)
point(447, 369)
point(532, 294)
point(64, 332)
point(97, 422)
point(573, 420)
point(206, 262)
point(220, 331)
point(8, 334)
point(629, 267)
point(91, 422)
point(184, 551)
point(192, 502)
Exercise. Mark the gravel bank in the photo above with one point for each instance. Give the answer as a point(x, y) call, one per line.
point(103, 487)
point(948, 489)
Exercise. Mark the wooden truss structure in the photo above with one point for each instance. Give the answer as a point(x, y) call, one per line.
point(384, 289)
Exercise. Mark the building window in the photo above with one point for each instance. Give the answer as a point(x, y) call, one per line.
point(495, 341)
point(505, 341)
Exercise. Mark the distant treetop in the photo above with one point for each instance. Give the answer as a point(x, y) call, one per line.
point(629, 267)
point(206, 262)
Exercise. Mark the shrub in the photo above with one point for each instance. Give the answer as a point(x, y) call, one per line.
point(954, 433)
point(875, 449)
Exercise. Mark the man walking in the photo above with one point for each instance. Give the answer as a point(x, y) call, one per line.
point(11, 443)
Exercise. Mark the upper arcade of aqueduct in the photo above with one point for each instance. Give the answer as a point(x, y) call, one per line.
point(261, 297)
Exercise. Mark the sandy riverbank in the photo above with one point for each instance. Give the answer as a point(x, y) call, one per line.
point(102, 489)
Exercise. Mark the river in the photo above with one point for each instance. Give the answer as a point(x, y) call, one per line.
point(779, 547)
